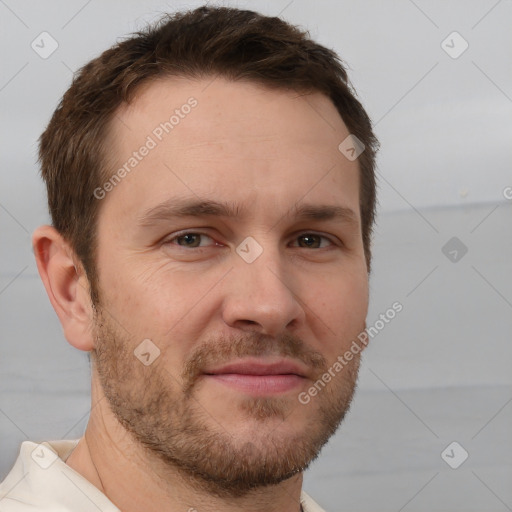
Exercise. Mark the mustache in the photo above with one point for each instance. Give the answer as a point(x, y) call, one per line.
point(220, 350)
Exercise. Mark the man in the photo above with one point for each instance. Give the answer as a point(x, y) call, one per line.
point(212, 192)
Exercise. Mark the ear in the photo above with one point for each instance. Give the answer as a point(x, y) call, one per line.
point(66, 285)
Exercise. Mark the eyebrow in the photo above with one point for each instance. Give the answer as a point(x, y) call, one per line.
point(326, 212)
point(178, 208)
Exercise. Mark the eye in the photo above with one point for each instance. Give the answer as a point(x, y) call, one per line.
point(191, 240)
point(313, 241)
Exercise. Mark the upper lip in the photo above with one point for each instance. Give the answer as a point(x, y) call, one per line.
point(260, 367)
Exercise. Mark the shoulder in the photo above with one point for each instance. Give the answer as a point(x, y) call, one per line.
point(40, 480)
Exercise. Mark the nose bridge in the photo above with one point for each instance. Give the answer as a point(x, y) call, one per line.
point(260, 294)
point(262, 268)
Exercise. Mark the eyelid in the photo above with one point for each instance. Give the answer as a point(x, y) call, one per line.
point(169, 240)
point(334, 240)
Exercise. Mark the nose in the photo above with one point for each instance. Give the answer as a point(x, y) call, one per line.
point(259, 297)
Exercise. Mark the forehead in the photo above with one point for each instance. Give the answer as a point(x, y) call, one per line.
point(212, 136)
point(230, 106)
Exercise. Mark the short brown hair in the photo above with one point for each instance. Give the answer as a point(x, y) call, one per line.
point(208, 41)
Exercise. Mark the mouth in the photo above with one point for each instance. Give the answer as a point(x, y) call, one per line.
point(260, 377)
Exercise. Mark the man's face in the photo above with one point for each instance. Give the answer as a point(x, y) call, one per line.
point(242, 326)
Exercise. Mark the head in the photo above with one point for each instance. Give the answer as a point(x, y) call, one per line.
point(203, 216)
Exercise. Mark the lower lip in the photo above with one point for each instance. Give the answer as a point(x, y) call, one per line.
point(260, 384)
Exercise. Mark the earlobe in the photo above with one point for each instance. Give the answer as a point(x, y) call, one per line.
point(66, 285)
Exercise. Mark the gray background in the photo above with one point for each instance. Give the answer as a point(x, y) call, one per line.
point(441, 370)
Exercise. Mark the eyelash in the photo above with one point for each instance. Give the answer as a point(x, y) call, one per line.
point(185, 233)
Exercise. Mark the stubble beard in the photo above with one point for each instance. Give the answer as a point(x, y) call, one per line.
point(164, 413)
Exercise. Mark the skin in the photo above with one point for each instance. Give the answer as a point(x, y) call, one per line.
point(305, 297)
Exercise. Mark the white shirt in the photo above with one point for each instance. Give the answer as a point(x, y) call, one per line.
point(40, 480)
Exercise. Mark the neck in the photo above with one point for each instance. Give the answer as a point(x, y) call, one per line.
point(149, 484)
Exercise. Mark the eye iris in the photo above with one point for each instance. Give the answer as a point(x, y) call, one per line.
point(310, 241)
point(190, 240)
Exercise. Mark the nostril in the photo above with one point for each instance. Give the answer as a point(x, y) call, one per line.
point(249, 323)
point(249, 326)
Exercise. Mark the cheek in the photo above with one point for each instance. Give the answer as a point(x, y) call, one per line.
point(166, 305)
point(144, 290)
point(342, 304)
